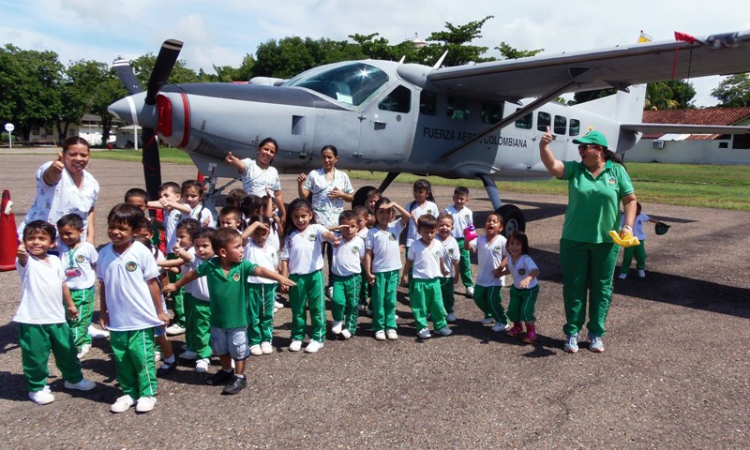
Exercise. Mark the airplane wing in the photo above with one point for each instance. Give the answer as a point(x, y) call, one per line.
point(619, 67)
point(683, 129)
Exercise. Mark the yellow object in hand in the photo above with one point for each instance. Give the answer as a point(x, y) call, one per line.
point(629, 241)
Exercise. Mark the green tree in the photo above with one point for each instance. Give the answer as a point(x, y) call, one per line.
point(144, 65)
point(284, 58)
point(733, 91)
point(456, 41)
point(509, 52)
point(672, 94)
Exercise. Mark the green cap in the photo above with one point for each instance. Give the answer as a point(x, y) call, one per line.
point(592, 137)
point(661, 228)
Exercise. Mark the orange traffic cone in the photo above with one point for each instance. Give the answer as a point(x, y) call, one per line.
point(8, 235)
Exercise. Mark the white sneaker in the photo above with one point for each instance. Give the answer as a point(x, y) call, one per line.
point(277, 305)
point(596, 344)
point(83, 385)
point(499, 326)
point(641, 273)
point(97, 333)
point(85, 348)
point(295, 346)
point(445, 331)
point(201, 366)
point(313, 347)
point(255, 350)
point(396, 317)
point(392, 334)
point(336, 328)
point(189, 355)
point(622, 276)
point(42, 397)
point(571, 344)
point(329, 292)
point(157, 356)
point(266, 348)
point(470, 291)
point(174, 330)
point(122, 404)
point(380, 335)
point(487, 321)
point(450, 317)
point(346, 333)
point(145, 404)
point(424, 333)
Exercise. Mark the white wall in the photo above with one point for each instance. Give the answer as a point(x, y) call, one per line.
point(688, 152)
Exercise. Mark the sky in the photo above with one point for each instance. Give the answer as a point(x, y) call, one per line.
point(222, 32)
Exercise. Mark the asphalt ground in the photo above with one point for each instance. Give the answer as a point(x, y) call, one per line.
point(675, 373)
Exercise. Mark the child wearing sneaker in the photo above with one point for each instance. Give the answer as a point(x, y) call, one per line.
point(462, 218)
point(452, 258)
point(79, 260)
point(365, 220)
point(346, 275)
point(491, 250)
point(525, 288)
point(131, 307)
point(41, 315)
point(426, 257)
point(226, 276)
point(639, 251)
point(382, 265)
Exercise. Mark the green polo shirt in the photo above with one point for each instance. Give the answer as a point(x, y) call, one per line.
point(228, 293)
point(594, 203)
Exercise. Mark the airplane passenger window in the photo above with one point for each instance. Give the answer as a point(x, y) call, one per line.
point(525, 121)
point(458, 108)
point(399, 100)
point(575, 127)
point(561, 124)
point(428, 103)
point(543, 120)
point(351, 83)
point(492, 112)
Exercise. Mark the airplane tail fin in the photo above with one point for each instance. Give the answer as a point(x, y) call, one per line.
point(623, 107)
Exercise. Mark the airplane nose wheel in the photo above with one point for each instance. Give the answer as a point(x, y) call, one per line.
point(360, 197)
point(513, 218)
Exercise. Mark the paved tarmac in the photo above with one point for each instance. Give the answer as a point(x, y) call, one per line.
point(675, 373)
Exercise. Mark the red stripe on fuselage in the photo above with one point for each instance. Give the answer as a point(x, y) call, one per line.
point(186, 126)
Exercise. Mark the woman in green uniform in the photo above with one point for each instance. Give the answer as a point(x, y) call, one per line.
point(596, 186)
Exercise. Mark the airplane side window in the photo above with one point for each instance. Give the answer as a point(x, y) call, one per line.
point(575, 127)
point(543, 120)
point(399, 100)
point(458, 108)
point(428, 103)
point(561, 124)
point(492, 112)
point(525, 122)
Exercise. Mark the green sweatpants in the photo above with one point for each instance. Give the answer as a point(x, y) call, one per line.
point(464, 265)
point(134, 361)
point(79, 328)
point(365, 290)
point(587, 275)
point(639, 251)
point(446, 288)
point(490, 300)
point(384, 301)
point(178, 296)
point(308, 295)
point(522, 305)
point(261, 298)
point(345, 299)
point(424, 297)
point(198, 326)
point(36, 342)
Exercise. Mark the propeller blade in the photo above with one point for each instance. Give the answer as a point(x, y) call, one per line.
point(151, 164)
point(127, 76)
point(168, 54)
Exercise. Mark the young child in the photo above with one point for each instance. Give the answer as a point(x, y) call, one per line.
point(462, 218)
point(452, 257)
point(226, 276)
point(382, 265)
point(525, 288)
point(79, 261)
point(139, 198)
point(639, 251)
point(231, 217)
point(130, 308)
point(234, 197)
point(422, 204)
point(346, 275)
point(426, 256)
point(261, 291)
point(41, 315)
point(373, 195)
point(364, 221)
point(302, 261)
point(491, 250)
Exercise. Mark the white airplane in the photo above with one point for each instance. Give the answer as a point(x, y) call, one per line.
point(457, 122)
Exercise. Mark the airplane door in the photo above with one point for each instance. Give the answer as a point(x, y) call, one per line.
point(387, 126)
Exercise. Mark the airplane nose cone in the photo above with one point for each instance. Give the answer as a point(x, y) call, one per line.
point(134, 111)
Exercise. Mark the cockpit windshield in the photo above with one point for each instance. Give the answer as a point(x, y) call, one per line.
point(351, 83)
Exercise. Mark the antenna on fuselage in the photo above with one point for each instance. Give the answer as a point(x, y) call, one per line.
point(440, 61)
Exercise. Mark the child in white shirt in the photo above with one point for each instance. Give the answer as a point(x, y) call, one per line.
point(346, 275)
point(525, 288)
point(262, 291)
point(452, 259)
point(462, 218)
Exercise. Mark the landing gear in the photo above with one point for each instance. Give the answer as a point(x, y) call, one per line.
point(360, 197)
point(513, 217)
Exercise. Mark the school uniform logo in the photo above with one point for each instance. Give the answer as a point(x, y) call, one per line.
point(497, 250)
point(392, 236)
point(130, 266)
point(355, 249)
point(450, 251)
point(311, 238)
point(612, 181)
point(80, 258)
point(522, 272)
point(429, 211)
point(236, 277)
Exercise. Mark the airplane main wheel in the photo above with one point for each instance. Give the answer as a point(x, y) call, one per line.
point(360, 197)
point(513, 218)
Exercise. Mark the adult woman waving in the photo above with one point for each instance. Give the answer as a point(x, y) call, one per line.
point(596, 186)
point(65, 187)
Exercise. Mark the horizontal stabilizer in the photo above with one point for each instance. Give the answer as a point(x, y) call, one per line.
point(683, 129)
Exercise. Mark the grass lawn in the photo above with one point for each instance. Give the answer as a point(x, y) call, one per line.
point(722, 187)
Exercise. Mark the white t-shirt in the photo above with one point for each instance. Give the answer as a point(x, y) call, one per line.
point(348, 256)
point(198, 288)
point(638, 226)
point(363, 233)
point(386, 251)
point(78, 265)
point(304, 251)
point(327, 210)
point(489, 257)
point(426, 260)
point(452, 253)
point(41, 291)
point(53, 202)
point(461, 220)
point(427, 208)
point(125, 278)
point(171, 219)
point(521, 269)
point(266, 256)
point(274, 241)
point(255, 180)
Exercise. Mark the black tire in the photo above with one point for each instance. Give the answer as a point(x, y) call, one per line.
point(513, 218)
point(360, 197)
